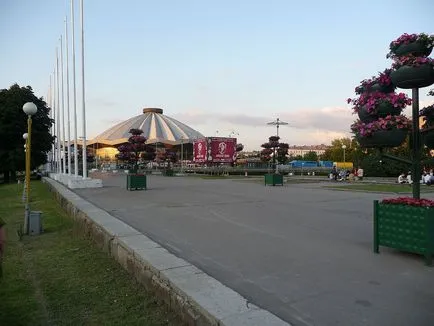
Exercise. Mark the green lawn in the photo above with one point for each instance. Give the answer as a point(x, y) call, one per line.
point(59, 278)
point(393, 188)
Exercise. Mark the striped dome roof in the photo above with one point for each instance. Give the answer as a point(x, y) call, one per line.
point(156, 127)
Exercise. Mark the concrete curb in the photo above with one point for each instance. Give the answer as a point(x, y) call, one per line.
point(198, 298)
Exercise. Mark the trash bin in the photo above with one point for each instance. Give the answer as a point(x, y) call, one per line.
point(35, 223)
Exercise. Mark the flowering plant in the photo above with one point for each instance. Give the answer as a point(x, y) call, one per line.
point(409, 201)
point(410, 60)
point(383, 79)
point(370, 101)
point(135, 148)
point(388, 123)
point(422, 38)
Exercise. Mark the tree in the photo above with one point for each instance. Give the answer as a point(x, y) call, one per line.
point(135, 149)
point(13, 124)
point(335, 152)
point(311, 156)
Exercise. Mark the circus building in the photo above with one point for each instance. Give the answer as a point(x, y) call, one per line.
point(159, 129)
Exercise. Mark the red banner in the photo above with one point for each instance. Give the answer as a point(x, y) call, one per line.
point(221, 150)
point(199, 150)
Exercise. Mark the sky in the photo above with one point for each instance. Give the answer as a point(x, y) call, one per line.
point(221, 67)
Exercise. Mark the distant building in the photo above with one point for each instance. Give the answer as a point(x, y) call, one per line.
point(302, 150)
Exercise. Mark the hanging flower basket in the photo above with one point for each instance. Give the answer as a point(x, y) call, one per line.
point(381, 83)
point(383, 109)
point(377, 87)
point(415, 44)
point(383, 138)
point(414, 48)
point(412, 72)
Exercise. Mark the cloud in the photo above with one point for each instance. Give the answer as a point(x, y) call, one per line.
point(333, 119)
point(200, 118)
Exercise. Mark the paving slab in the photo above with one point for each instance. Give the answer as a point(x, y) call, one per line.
point(301, 252)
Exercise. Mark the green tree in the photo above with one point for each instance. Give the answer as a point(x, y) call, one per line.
point(310, 156)
point(13, 124)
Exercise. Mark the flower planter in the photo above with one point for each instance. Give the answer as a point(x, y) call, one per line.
point(428, 138)
point(404, 227)
point(382, 88)
point(383, 138)
point(136, 182)
point(382, 110)
point(273, 179)
point(413, 76)
point(414, 48)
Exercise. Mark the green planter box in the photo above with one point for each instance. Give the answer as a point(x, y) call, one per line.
point(404, 227)
point(136, 181)
point(274, 179)
point(168, 173)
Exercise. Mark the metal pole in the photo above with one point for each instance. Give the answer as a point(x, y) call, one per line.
point(53, 147)
point(67, 97)
point(82, 92)
point(63, 107)
point(59, 153)
point(182, 155)
point(344, 155)
point(416, 145)
point(74, 90)
point(28, 157)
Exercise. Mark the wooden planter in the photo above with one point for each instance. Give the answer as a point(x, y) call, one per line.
point(414, 48)
point(136, 182)
point(413, 76)
point(273, 179)
point(404, 227)
point(383, 138)
point(382, 110)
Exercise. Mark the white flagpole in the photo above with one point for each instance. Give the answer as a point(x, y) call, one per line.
point(67, 97)
point(82, 92)
point(59, 154)
point(55, 122)
point(74, 90)
point(50, 101)
point(65, 152)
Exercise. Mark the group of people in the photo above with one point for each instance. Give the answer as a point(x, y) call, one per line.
point(426, 178)
point(345, 174)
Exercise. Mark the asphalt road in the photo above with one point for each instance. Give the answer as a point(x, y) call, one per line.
point(299, 251)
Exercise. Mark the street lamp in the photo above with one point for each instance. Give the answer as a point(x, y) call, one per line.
point(344, 147)
point(30, 109)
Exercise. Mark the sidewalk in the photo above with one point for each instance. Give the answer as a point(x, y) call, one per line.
point(303, 253)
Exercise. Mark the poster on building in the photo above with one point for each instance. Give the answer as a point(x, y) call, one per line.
point(221, 150)
point(199, 150)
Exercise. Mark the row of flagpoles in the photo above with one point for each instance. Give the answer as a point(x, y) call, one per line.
point(56, 101)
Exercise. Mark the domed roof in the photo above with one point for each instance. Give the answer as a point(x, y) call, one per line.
point(156, 127)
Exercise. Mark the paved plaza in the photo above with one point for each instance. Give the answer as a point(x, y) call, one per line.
point(300, 251)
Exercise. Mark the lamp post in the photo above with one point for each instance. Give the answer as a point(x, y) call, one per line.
point(344, 147)
point(30, 109)
point(25, 136)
